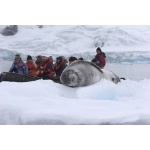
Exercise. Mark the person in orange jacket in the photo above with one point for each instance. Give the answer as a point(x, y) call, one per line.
point(39, 62)
point(32, 67)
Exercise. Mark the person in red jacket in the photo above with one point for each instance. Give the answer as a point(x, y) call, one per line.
point(100, 58)
point(32, 67)
point(59, 67)
point(48, 69)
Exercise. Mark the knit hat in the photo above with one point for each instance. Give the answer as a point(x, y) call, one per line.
point(80, 58)
point(59, 58)
point(17, 55)
point(39, 56)
point(99, 49)
point(72, 59)
point(29, 57)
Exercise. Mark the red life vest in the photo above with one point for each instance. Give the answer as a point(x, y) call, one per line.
point(49, 68)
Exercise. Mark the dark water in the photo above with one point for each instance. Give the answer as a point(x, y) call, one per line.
point(135, 72)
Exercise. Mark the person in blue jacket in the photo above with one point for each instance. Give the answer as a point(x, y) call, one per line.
point(19, 66)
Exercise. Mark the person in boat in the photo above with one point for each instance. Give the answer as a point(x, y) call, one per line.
point(72, 59)
point(100, 58)
point(59, 67)
point(48, 69)
point(32, 67)
point(19, 66)
point(65, 60)
point(39, 62)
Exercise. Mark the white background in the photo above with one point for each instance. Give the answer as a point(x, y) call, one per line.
point(74, 12)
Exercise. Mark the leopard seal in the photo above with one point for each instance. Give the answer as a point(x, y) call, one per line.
point(83, 73)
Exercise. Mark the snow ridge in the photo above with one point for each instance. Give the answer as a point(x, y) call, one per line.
point(80, 41)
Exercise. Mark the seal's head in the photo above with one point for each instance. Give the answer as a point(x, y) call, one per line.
point(72, 78)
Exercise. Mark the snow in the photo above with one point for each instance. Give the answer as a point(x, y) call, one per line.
point(46, 102)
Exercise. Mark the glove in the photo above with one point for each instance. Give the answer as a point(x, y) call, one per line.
point(97, 63)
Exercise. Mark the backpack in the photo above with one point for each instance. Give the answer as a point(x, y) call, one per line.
point(103, 54)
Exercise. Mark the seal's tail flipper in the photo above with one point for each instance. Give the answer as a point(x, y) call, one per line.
point(123, 78)
point(109, 75)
